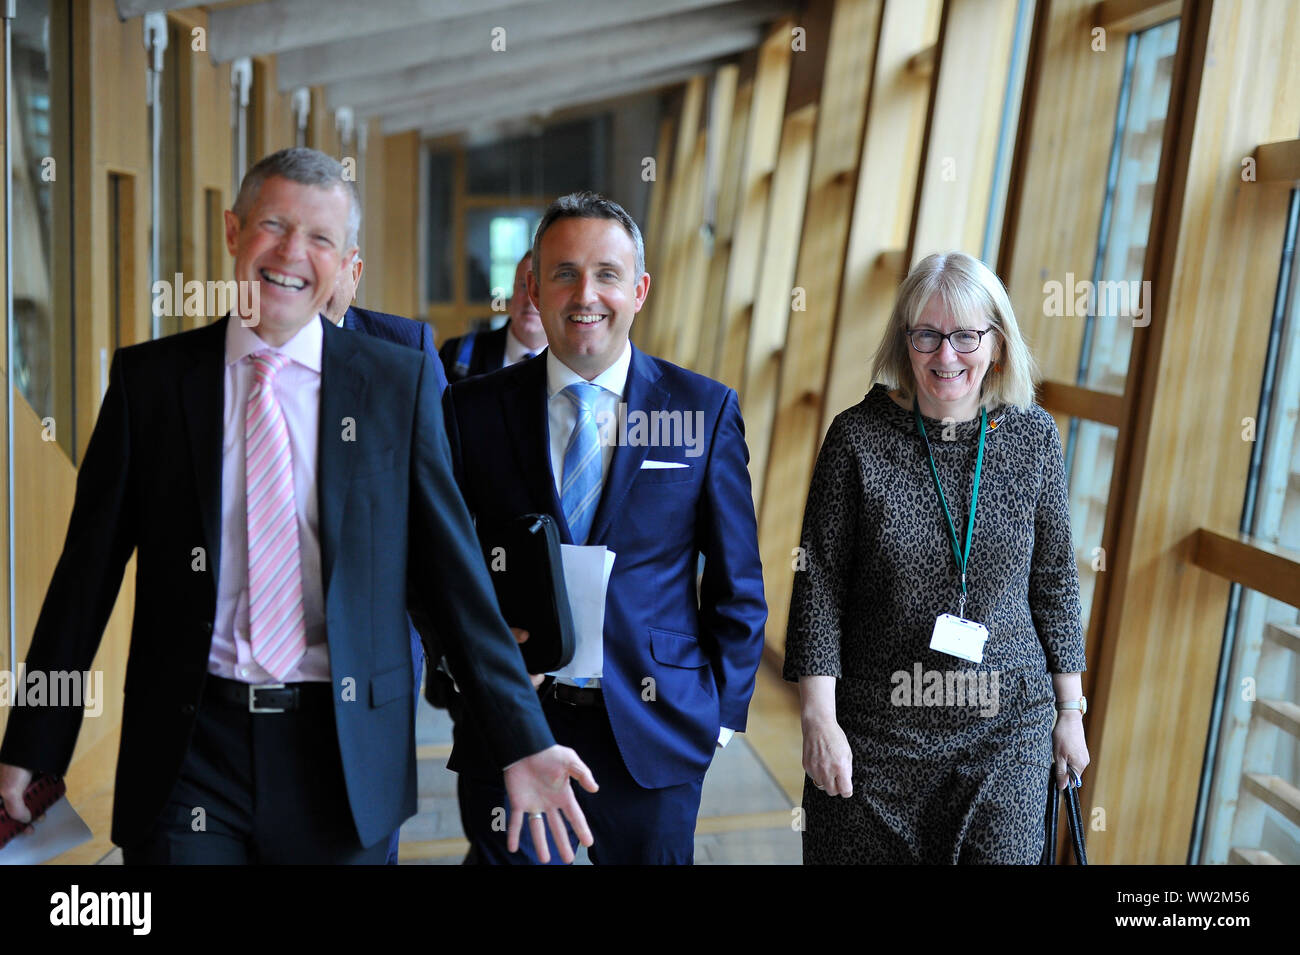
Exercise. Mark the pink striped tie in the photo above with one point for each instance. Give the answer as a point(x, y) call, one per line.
point(275, 617)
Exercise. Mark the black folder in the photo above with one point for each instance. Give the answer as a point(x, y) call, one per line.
point(523, 556)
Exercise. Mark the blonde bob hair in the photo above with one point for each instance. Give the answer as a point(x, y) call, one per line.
point(974, 297)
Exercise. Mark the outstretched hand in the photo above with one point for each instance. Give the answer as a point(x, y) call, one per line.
point(538, 786)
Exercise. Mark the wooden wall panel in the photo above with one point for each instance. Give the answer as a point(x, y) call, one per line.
point(962, 137)
point(882, 211)
point(271, 125)
point(324, 134)
point(678, 324)
point(842, 113)
point(656, 215)
point(695, 325)
point(1214, 283)
point(401, 222)
point(711, 337)
point(657, 317)
point(373, 239)
point(810, 43)
point(205, 153)
point(762, 140)
point(773, 292)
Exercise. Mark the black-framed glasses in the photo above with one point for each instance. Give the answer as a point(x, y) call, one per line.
point(963, 340)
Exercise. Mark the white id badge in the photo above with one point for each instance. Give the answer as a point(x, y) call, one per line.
point(959, 637)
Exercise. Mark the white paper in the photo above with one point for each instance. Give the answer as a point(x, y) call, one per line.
point(586, 577)
point(60, 830)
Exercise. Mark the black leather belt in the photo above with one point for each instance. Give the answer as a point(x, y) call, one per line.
point(579, 695)
point(265, 697)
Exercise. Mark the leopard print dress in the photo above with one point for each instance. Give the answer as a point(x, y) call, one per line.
point(950, 758)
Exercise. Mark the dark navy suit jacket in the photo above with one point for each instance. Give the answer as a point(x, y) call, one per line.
point(395, 328)
point(677, 667)
point(417, 335)
point(487, 354)
point(392, 528)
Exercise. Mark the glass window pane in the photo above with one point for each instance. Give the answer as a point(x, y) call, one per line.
point(440, 253)
point(41, 192)
point(1007, 128)
point(1262, 638)
point(495, 240)
point(1119, 301)
point(1089, 462)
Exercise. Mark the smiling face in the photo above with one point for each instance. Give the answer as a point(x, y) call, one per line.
point(587, 291)
point(947, 381)
point(525, 321)
point(291, 243)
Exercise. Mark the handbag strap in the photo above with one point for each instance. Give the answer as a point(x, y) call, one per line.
point(1074, 817)
point(1049, 823)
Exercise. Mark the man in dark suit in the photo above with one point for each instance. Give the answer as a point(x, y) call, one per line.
point(287, 490)
point(649, 460)
point(519, 339)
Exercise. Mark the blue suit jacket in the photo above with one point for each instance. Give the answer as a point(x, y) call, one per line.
point(676, 667)
point(403, 331)
point(392, 528)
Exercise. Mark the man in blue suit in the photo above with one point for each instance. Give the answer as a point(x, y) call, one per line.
point(648, 459)
point(267, 713)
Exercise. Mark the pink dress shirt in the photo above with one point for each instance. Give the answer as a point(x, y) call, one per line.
point(297, 388)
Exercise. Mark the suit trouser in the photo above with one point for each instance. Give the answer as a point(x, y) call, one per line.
point(631, 825)
point(259, 788)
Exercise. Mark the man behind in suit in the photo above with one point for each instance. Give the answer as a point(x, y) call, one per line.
point(418, 335)
point(340, 310)
point(287, 490)
point(519, 339)
point(679, 663)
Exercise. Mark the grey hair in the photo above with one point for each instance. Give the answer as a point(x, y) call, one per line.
point(972, 295)
point(307, 167)
point(589, 205)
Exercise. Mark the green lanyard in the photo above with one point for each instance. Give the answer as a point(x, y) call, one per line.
point(962, 558)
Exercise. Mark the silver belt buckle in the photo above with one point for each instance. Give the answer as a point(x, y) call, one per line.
point(252, 698)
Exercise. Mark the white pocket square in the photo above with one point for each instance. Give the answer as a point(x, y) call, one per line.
point(647, 465)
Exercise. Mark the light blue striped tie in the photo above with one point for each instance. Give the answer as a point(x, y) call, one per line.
point(580, 485)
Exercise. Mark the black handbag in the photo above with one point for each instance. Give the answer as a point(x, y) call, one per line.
point(1072, 813)
point(523, 555)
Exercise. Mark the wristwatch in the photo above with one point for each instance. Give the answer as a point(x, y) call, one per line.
point(1081, 704)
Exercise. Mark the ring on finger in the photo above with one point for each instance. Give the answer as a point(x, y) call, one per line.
point(537, 815)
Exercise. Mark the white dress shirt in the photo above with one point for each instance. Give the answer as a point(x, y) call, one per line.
point(297, 389)
point(516, 351)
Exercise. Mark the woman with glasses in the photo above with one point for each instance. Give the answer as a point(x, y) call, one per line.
point(938, 656)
